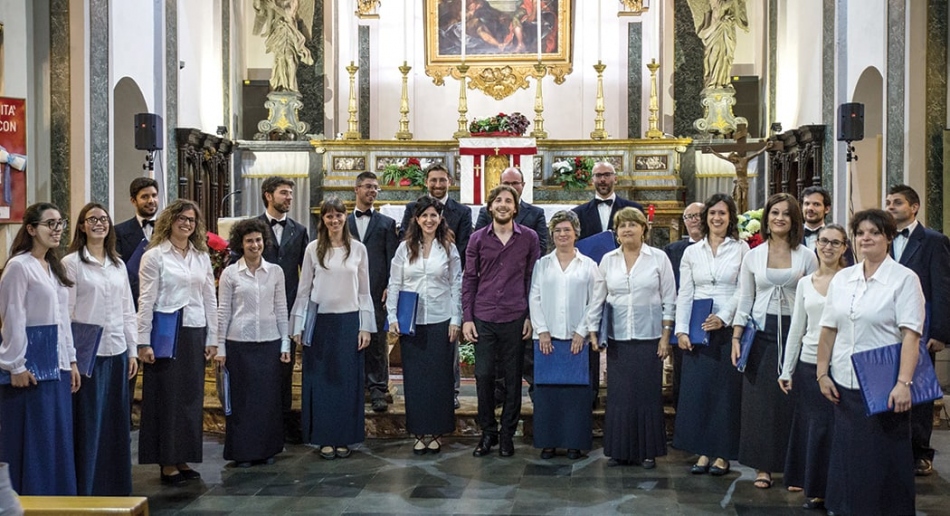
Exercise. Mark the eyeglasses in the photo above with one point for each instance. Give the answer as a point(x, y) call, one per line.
point(187, 220)
point(372, 188)
point(603, 175)
point(691, 216)
point(92, 221)
point(835, 244)
point(54, 224)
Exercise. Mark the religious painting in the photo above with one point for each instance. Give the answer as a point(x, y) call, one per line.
point(13, 160)
point(503, 41)
point(651, 162)
point(349, 163)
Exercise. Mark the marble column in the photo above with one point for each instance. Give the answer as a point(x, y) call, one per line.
point(362, 87)
point(99, 89)
point(634, 79)
point(60, 106)
point(688, 72)
point(772, 62)
point(311, 79)
point(896, 40)
point(226, 65)
point(936, 108)
point(171, 99)
point(828, 108)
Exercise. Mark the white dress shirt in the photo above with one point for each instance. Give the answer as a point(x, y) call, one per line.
point(811, 241)
point(604, 211)
point(342, 287)
point(869, 313)
point(102, 296)
point(363, 222)
point(437, 279)
point(704, 276)
point(641, 299)
point(170, 282)
point(31, 296)
point(278, 229)
point(900, 241)
point(252, 306)
point(146, 229)
point(757, 286)
point(805, 327)
point(560, 300)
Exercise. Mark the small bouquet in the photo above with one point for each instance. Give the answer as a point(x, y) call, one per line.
point(406, 174)
point(749, 225)
point(501, 124)
point(572, 174)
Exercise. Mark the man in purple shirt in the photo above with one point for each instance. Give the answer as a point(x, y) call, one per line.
point(499, 261)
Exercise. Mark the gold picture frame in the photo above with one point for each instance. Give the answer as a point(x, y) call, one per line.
point(502, 47)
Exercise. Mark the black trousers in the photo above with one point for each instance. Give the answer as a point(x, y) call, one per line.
point(527, 371)
point(499, 352)
point(921, 426)
point(291, 418)
point(376, 358)
point(677, 371)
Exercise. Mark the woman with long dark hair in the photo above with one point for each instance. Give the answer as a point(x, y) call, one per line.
point(428, 263)
point(334, 276)
point(176, 275)
point(36, 436)
point(102, 296)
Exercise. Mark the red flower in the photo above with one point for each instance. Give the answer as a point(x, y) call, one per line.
point(217, 243)
point(578, 162)
point(754, 240)
point(413, 162)
point(405, 181)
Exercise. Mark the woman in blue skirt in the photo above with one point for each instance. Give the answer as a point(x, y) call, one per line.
point(102, 296)
point(335, 277)
point(36, 436)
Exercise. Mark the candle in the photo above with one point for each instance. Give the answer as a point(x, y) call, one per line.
point(462, 38)
point(599, 37)
point(405, 33)
point(538, 8)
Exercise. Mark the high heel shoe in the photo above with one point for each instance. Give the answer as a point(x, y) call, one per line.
point(435, 445)
point(419, 448)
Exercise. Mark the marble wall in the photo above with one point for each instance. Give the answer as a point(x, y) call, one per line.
point(363, 81)
point(688, 70)
point(99, 94)
point(937, 33)
point(60, 136)
point(311, 80)
point(635, 80)
point(171, 99)
point(894, 89)
point(828, 109)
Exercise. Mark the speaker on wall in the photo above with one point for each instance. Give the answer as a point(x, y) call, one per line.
point(148, 132)
point(851, 122)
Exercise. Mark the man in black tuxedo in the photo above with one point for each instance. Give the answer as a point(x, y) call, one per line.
point(457, 216)
point(816, 205)
point(129, 235)
point(285, 248)
point(597, 215)
point(692, 219)
point(926, 252)
point(378, 233)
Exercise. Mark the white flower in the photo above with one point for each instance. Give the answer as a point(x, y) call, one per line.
point(744, 235)
point(562, 166)
point(753, 226)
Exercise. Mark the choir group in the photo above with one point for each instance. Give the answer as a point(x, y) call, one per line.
point(768, 382)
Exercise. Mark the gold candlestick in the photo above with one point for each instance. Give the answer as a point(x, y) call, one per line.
point(654, 131)
point(463, 104)
point(539, 131)
point(599, 133)
point(353, 129)
point(403, 132)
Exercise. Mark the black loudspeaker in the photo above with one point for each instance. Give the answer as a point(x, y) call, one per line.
point(851, 122)
point(747, 102)
point(148, 132)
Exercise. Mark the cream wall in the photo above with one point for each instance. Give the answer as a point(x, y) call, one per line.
point(798, 74)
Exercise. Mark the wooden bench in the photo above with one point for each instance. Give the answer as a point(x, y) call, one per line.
point(84, 505)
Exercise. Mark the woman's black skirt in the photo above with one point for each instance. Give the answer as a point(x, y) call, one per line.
point(633, 423)
point(709, 408)
point(429, 380)
point(809, 445)
point(102, 429)
point(255, 429)
point(172, 403)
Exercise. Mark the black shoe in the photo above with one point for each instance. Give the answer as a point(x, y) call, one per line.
point(548, 453)
point(484, 446)
point(380, 405)
point(923, 467)
point(613, 463)
point(574, 454)
point(814, 503)
point(699, 469)
point(648, 463)
point(716, 471)
point(457, 404)
point(419, 448)
point(189, 474)
point(507, 447)
point(243, 465)
point(173, 480)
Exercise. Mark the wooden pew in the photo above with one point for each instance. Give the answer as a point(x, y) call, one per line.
point(84, 505)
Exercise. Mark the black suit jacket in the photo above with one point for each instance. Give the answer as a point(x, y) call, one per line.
point(381, 242)
point(928, 254)
point(590, 218)
point(528, 215)
point(457, 216)
point(675, 251)
point(288, 254)
point(128, 236)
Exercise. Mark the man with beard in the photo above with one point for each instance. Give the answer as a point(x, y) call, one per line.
point(378, 233)
point(498, 266)
point(285, 248)
point(816, 204)
point(130, 234)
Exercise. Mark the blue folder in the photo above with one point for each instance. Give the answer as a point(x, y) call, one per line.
point(745, 345)
point(596, 246)
point(606, 321)
point(164, 336)
point(224, 389)
point(135, 260)
point(310, 322)
point(561, 367)
point(701, 310)
point(42, 354)
point(86, 338)
point(877, 371)
point(406, 308)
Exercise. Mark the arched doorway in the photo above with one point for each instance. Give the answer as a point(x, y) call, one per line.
point(868, 171)
point(128, 162)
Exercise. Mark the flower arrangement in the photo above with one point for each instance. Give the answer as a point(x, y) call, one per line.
point(572, 174)
point(749, 225)
point(219, 253)
point(501, 124)
point(405, 174)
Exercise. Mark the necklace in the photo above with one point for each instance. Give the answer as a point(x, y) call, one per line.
point(180, 249)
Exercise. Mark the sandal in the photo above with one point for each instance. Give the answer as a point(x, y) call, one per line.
point(794, 489)
point(419, 448)
point(343, 451)
point(763, 482)
point(328, 453)
point(435, 444)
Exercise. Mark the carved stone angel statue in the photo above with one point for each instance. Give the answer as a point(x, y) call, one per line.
point(277, 21)
point(716, 22)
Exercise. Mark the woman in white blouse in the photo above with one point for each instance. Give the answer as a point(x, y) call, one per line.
point(767, 283)
point(253, 340)
point(873, 304)
point(428, 263)
point(102, 296)
point(806, 463)
point(334, 276)
point(175, 275)
point(638, 284)
point(562, 290)
point(34, 292)
point(707, 416)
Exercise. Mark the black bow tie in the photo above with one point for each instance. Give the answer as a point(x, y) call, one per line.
point(358, 213)
point(811, 232)
point(148, 223)
point(904, 233)
point(274, 222)
point(608, 202)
